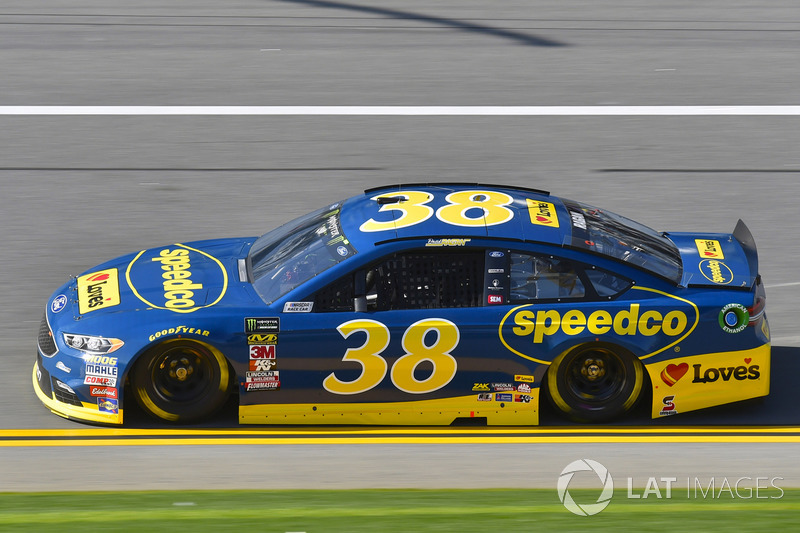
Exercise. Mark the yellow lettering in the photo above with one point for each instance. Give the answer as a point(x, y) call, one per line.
point(599, 322)
point(646, 329)
point(625, 321)
point(574, 322)
point(523, 320)
point(679, 325)
point(547, 323)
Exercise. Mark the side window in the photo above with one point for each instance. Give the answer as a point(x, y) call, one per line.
point(409, 280)
point(535, 277)
point(426, 280)
point(606, 284)
point(338, 296)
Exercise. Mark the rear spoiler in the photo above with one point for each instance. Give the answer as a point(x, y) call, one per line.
point(742, 234)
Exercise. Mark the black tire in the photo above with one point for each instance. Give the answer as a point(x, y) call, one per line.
point(180, 380)
point(595, 382)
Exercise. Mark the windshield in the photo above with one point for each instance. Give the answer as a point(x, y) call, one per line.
point(296, 252)
point(613, 235)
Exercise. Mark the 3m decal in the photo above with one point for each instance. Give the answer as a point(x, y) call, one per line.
point(709, 249)
point(542, 213)
point(265, 351)
point(716, 271)
point(98, 290)
point(374, 367)
point(189, 278)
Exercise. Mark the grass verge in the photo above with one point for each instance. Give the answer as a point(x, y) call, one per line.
point(390, 511)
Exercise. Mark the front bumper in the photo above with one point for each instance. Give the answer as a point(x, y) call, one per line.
point(62, 403)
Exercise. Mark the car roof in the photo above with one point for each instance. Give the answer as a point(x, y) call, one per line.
point(438, 211)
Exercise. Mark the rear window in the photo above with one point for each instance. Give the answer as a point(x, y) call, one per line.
point(599, 231)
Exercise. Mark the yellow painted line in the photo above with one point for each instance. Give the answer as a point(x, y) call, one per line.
point(408, 440)
point(393, 430)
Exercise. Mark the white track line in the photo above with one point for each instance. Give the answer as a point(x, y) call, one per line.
point(760, 110)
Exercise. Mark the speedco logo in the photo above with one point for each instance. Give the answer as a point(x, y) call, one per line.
point(716, 271)
point(585, 465)
point(177, 269)
point(528, 324)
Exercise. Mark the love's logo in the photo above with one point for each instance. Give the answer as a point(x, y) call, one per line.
point(672, 373)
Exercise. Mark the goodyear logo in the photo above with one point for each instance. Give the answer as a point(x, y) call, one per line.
point(709, 249)
point(179, 279)
point(542, 213)
point(716, 271)
point(98, 290)
point(525, 328)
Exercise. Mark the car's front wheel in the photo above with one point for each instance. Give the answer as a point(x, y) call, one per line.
point(595, 382)
point(180, 380)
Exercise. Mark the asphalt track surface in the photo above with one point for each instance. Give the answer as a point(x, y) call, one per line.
point(77, 190)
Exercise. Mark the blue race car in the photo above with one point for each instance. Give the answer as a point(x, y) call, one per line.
point(416, 304)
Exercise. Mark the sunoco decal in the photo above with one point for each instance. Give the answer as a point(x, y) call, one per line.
point(525, 327)
point(98, 290)
point(177, 278)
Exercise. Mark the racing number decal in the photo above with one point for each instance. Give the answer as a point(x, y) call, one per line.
point(438, 353)
point(374, 367)
point(414, 210)
point(491, 203)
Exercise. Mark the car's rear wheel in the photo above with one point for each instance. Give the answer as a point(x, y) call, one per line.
point(595, 382)
point(180, 380)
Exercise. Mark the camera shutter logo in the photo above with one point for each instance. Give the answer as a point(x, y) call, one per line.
point(585, 465)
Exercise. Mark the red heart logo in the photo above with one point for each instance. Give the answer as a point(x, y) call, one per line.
point(747, 360)
point(709, 253)
point(99, 277)
point(540, 218)
point(673, 373)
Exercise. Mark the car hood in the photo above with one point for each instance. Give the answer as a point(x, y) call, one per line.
point(180, 278)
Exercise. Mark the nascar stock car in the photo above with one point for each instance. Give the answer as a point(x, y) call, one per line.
point(419, 304)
